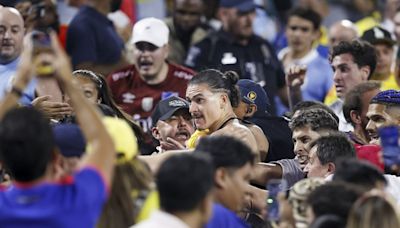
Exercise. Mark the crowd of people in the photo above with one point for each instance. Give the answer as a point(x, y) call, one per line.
point(212, 113)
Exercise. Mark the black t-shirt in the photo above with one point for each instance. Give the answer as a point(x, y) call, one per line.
point(256, 60)
point(279, 136)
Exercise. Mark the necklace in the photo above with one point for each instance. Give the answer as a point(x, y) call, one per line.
point(226, 122)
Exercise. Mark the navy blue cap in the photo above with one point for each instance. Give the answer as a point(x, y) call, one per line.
point(387, 97)
point(240, 5)
point(69, 139)
point(253, 93)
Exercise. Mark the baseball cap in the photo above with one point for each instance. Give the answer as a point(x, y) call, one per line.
point(69, 139)
point(253, 93)
point(151, 30)
point(240, 5)
point(125, 141)
point(167, 107)
point(378, 35)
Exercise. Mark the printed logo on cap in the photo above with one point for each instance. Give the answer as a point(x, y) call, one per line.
point(378, 33)
point(176, 103)
point(252, 95)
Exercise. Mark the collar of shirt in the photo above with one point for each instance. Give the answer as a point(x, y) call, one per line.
point(168, 220)
point(307, 59)
point(11, 65)
point(228, 37)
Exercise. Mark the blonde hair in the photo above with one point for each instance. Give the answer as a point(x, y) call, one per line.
point(373, 211)
point(132, 184)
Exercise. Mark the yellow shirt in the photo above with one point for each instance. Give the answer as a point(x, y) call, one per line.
point(331, 96)
point(390, 83)
point(194, 138)
point(369, 22)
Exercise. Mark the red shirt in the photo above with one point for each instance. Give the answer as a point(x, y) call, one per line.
point(138, 98)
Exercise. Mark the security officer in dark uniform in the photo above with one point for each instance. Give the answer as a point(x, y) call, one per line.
point(235, 47)
point(275, 128)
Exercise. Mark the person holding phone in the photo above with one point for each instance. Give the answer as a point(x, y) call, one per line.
point(49, 96)
point(29, 153)
point(11, 44)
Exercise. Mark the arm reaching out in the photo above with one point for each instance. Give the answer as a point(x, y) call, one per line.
point(103, 152)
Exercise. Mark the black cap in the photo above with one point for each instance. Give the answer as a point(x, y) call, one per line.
point(167, 107)
point(378, 35)
point(240, 5)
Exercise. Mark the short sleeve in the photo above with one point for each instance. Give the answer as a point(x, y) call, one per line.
point(90, 188)
point(291, 171)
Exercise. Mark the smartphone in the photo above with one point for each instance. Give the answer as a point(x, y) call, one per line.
point(274, 187)
point(41, 42)
point(389, 136)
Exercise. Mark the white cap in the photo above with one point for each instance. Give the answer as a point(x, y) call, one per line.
point(151, 30)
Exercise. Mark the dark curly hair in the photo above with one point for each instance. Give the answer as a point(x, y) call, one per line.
point(363, 53)
point(316, 118)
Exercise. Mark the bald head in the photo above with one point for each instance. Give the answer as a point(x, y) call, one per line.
point(343, 30)
point(11, 34)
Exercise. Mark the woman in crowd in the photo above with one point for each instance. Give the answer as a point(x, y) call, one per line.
point(95, 89)
point(133, 196)
point(373, 211)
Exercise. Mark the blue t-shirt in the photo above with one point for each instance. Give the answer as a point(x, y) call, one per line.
point(222, 217)
point(91, 37)
point(318, 80)
point(7, 73)
point(75, 203)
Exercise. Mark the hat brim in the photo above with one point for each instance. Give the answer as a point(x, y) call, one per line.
point(247, 100)
point(171, 113)
point(388, 42)
point(147, 40)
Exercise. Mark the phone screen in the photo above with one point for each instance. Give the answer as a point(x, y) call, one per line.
point(274, 187)
point(41, 41)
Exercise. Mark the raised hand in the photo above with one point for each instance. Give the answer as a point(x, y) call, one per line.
point(296, 75)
